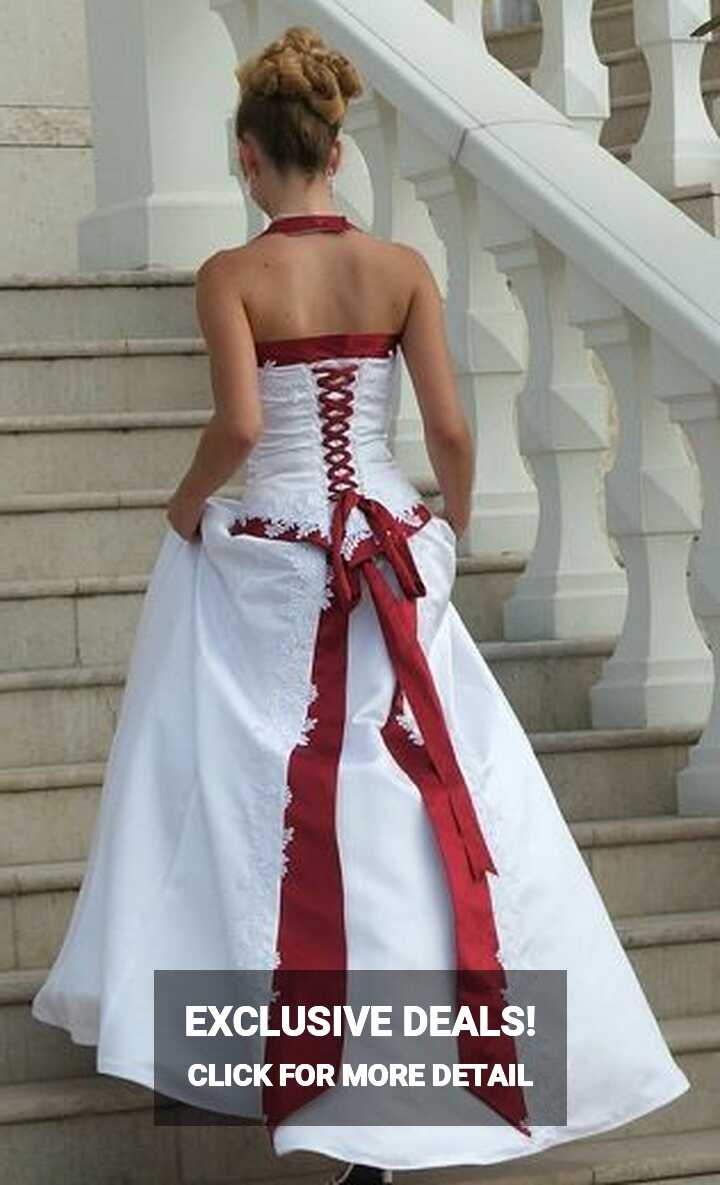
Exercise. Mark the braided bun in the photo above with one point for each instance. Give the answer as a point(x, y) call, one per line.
point(300, 65)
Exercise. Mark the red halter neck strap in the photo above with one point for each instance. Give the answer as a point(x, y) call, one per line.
point(300, 223)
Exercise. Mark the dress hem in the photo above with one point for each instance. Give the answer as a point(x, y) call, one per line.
point(134, 1073)
point(560, 1136)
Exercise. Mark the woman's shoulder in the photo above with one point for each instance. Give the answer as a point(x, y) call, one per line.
point(222, 260)
point(402, 258)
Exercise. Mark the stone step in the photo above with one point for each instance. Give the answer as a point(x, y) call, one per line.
point(681, 1156)
point(67, 715)
point(89, 621)
point(658, 863)
point(676, 957)
point(496, 574)
point(78, 306)
point(655, 864)
point(614, 773)
point(63, 715)
point(676, 954)
point(116, 375)
point(103, 1128)
point(31, 1051)
point(47, 812)
point(548, 682)
point(36, 901)
point(106, 533)
point(68, 622)
point(695, 1045)
point(51, 536)
point(34, 1052)
point(100, 1130)
point(99, 452)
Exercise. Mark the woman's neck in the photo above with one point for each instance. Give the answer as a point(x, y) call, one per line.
point(298, 213)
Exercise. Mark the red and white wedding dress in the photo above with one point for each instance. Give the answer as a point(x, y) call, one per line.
point(315, 768)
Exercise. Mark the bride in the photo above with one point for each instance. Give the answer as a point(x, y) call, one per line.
point(314, 769)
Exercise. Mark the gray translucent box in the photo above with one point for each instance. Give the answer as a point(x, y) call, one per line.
point(481, 1048)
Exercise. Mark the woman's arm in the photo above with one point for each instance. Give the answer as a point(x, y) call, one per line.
point(236, 422)
point(447, 435)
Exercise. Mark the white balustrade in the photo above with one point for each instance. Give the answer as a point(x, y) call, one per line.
point(487, 342)
point(660, 673)
point(678, 145)
point(570, 74)
point(571, 586)
point(694, 401)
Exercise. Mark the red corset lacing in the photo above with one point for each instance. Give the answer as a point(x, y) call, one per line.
point(335, 398)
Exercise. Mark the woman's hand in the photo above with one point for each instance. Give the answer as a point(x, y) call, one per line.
point(185, 516)
point(458, 522)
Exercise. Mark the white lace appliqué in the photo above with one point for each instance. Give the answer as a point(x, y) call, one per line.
point(328, 590)
point(407, 721)
point(288, 834)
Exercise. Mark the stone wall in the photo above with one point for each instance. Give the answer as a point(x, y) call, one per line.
point(46, 180)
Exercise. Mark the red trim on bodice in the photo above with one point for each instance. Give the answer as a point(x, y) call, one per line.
point(286, 351)
point(295, 224)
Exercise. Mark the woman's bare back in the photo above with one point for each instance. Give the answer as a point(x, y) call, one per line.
point(306, 284)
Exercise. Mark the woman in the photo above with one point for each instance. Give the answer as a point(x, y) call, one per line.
point(314, 769)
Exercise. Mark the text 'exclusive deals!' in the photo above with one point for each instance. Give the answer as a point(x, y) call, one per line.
point(359, 1047)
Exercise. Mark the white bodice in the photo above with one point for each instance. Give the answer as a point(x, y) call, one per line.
point(326, 428)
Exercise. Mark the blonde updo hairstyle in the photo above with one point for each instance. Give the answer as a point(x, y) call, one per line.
point(294, 95)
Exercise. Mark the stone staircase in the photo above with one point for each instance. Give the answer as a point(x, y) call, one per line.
point(103, 388)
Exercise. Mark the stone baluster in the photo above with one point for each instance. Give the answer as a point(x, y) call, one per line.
point(572, 586)
point(160, 78)
point(693, 401)
point(486, 335)
point(466, 14)
point(372, 124)
point(660, 672)
point(570, 74)
point(678, 145)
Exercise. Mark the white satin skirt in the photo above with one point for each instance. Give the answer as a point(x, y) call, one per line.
point(188, 851)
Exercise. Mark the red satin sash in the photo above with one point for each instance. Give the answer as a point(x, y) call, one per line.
point(311, 928)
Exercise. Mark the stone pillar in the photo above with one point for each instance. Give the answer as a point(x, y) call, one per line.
point(162, 88)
